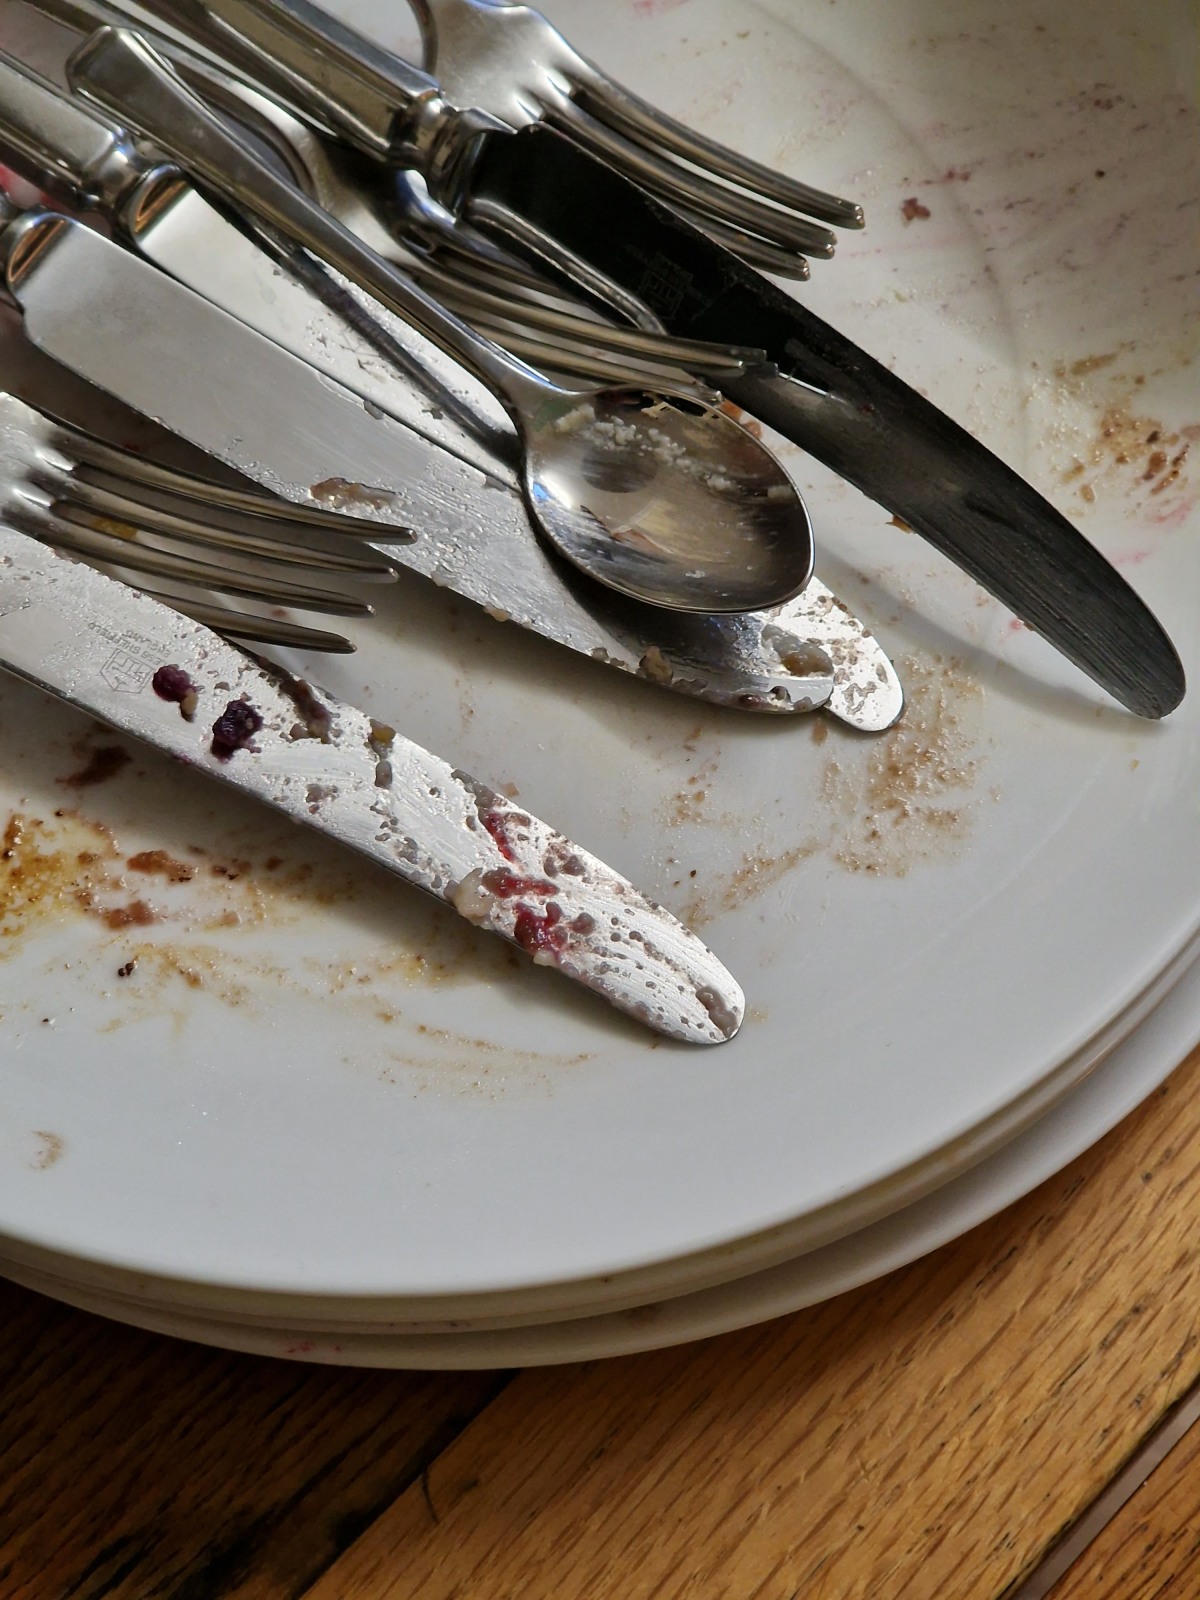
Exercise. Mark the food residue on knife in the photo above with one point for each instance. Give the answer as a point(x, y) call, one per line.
point(341, 494)
point(234, 729)
point(172, 683)
point(316, 721)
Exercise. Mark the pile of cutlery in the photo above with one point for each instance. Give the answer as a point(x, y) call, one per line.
point(410, 277)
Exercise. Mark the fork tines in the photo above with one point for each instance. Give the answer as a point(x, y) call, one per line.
point(197, 536)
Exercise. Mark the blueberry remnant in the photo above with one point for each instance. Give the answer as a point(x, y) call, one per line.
point(234, 729)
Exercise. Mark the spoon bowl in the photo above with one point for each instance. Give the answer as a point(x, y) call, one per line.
point(666, 499)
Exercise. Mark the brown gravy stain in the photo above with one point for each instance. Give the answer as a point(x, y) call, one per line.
point(687, 804)
point(70, 866)
point(103, 763)
point(759, 870)
point(903, 797)
point(478, 1069)
point(908, 803)
point(1127, 446)
point(51, 870)
point(159, 863)
point(51, 1147)
point(66, 867)
point(137, 914)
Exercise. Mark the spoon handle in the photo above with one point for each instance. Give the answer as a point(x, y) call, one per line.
point(116, 69)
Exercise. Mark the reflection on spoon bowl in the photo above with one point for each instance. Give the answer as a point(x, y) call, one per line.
point(666, 499)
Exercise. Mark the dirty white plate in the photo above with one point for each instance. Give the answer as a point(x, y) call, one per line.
point(1132, 1071)
point(308, 1082)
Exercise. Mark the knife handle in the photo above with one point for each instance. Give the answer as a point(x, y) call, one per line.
point(326, 69)
point(119, 70)
point(57, 143)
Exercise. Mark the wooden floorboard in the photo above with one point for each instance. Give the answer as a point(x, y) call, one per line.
point(135, 1466)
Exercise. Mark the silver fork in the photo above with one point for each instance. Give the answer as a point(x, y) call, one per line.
point(499, 295)
point(509, 62)
point(144, 521)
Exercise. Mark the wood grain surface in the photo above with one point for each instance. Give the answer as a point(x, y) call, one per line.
point(133, 1465)
point(1151, 1549)
point(927, 1436)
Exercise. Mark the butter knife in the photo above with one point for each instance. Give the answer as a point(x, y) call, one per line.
point(180, 360)
point(164, 679)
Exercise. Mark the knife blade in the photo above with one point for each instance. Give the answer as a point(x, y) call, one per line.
point(536, 190)
point(90, 162)
point(96, 308)
point(841, 405)
point(172, 683)
point(63, 145)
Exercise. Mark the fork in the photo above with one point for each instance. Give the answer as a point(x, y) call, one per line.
point(510, 63)
point(122, 513)
point(500, 295)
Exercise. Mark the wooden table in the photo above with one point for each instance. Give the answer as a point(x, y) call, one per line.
point(931, 1435)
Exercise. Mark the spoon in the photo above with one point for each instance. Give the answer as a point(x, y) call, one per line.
point(651, 493)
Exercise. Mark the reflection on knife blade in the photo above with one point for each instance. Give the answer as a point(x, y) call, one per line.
point(80, 292)
point(162, 678)
point(245, 401)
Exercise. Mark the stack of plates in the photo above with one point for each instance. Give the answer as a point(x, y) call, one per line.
point(302, 1111)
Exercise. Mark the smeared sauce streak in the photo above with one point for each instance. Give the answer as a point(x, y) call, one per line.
point(103, 763)
point(508, 885)
point(540, 933)
point(499, 825)
point(162, 865)
point(35, 874)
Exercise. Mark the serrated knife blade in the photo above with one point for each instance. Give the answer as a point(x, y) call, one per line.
point(145, 670)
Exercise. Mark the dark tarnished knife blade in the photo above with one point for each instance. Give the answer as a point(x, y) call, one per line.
point(841, 405)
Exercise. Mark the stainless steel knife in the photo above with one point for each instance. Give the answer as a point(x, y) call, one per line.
point(97, 309)
point(595, 230)
point(149, 672)
point(756, 661)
